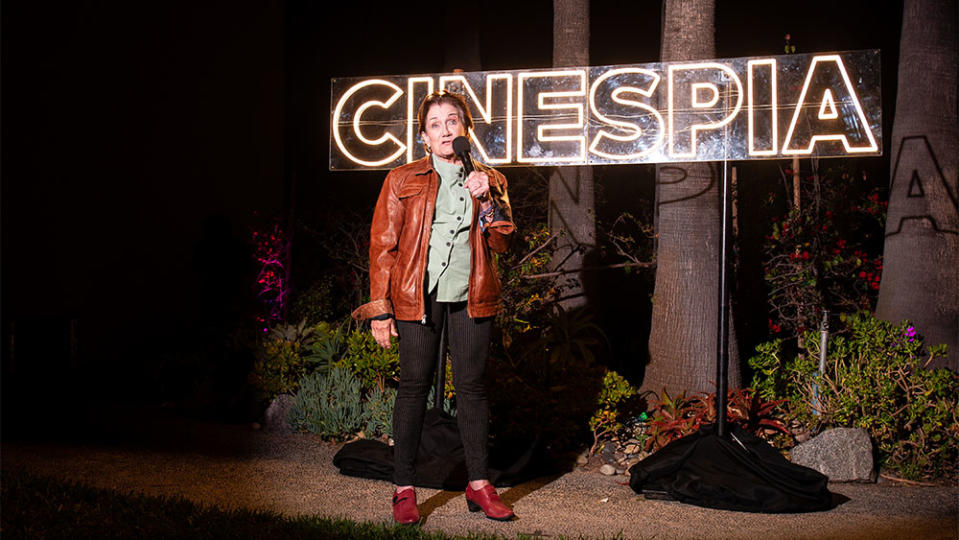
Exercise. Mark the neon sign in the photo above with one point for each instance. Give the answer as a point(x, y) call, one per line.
point(743, 108)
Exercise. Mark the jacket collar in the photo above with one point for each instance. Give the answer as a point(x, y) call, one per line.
point(422, 166)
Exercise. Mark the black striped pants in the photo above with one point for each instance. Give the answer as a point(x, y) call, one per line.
point(419, 348)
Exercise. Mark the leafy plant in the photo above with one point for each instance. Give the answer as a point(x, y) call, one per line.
point(613, 399)
point(294, 333)
point(876, 378)
point(373, 364)
point(529, 290)
point(570, 335)
point(825, 255)
point(277, 368)
point(271, 249)
point(378, 409)
point(673, 418)
point(329, 404)
point(449, 399)
point(291, 351)
point(328, 343)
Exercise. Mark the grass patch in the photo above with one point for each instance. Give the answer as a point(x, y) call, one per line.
point(40, 507)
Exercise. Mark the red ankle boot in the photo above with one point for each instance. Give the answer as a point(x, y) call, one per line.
point(405, 511)
point(487, 500)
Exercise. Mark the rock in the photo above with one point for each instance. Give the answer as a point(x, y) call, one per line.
point(801, 435)
point(631, 449)
point(620, 471)
point(842, 454)
point(275, 419)
point(608, 453)
point(607, 470)
point(607, 449)
point(582, 459)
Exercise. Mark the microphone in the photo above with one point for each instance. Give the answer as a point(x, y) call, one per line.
point(461, 146)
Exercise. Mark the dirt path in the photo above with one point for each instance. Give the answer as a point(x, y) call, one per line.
point(236, 466)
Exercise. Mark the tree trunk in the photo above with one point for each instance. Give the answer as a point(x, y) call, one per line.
point(920, 281)
point(571, 201)
point(682, 342)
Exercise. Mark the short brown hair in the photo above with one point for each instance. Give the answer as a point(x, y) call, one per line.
point(440, 97)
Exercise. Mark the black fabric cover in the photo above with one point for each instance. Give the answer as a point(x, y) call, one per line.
point(717, 472)
point(440, 463)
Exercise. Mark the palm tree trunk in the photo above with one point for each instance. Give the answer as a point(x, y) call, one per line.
point(682, 342)
point(920, 281)
point(571, 200)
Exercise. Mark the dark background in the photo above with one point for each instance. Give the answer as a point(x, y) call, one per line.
point(141, 140)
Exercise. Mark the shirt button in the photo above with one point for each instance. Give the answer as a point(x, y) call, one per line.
point(447, 243)
point(452, 231)
point(444, 264)
point(461, 198)
point(459, 219)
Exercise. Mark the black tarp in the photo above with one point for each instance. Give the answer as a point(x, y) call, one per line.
point(440, 463)
point(737, 471)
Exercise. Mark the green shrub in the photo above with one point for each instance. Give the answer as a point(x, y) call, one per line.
point(329, 404)
point(291, 351)
point(876, 378)
point(613, 400)
point(372, 364)
point(277, 368)
point(328, 344)
point(449, 399)
point(378, 410)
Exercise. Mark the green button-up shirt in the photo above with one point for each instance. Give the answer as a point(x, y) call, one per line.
point(448, 264)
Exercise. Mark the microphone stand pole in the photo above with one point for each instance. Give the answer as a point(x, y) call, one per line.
point(722, 340)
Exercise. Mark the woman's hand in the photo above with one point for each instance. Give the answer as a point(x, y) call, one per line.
point(382, 330)
point(478, 185)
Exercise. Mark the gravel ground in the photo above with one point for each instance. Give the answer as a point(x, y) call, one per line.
point(233, 466)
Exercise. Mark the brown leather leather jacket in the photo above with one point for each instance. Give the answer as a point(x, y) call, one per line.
point(399, 245)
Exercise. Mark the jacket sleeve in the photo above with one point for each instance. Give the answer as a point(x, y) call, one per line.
point(384, 238)
point(501, 227)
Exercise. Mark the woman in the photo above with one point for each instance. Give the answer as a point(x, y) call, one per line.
point(430, 264)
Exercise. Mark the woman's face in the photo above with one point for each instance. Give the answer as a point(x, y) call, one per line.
point(443, 124)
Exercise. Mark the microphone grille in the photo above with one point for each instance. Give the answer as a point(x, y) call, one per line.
point(461, 144)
